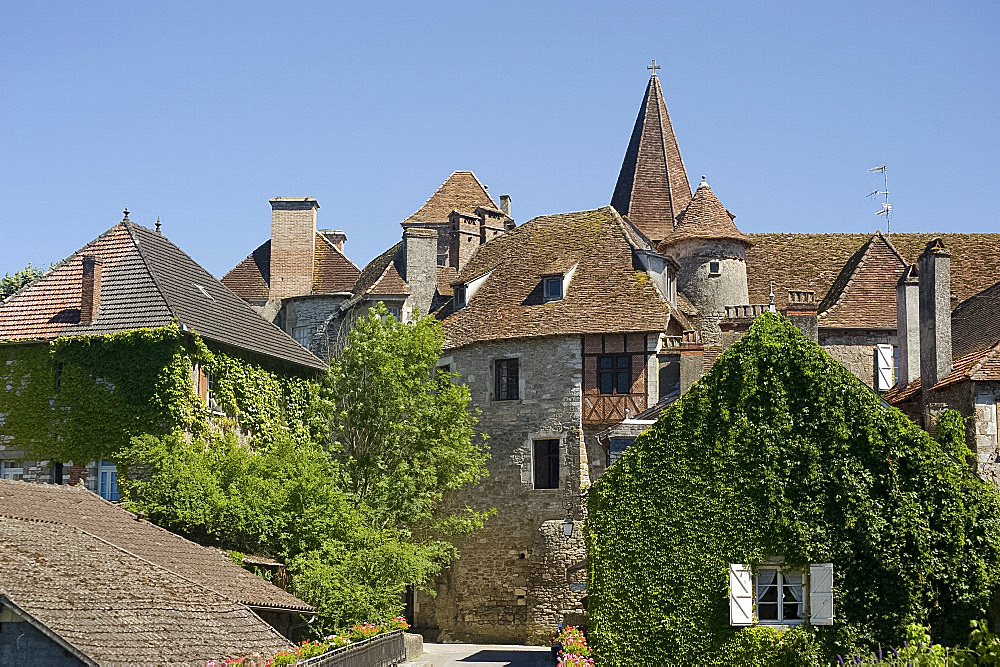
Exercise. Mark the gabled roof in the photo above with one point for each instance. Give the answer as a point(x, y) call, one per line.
point(146, 281)
point(333, 271)
point(76, 507)
point(815, 261)
point(653, 186)
point(704, 218)
point(607, 293)
point(867, 283)
point(376, 269)
point(114, 606)
point(975, 323)
point(461, 192)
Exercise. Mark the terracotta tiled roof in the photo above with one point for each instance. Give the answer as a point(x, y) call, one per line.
point(376, 268)
point(115, 607)
point(975, 323)
point(866, 285)
point(461, 192)
point(704, 218)
point(606, 292)
point(446, 276)
point(146, 281)
point(77, 507)
point(332, 271)
point(653, 186)
point(390, 282)
point(814, 262)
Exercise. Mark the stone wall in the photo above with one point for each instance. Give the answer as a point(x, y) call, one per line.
point(855, 348)
point(710, 294)
point(21, 643)
point(510, 582)
point(319, 314)
point(984, 428)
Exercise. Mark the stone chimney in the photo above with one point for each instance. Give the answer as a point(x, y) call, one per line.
point(505, 204)
point(908, 326)
point(491, 223)
point(420, 266)
point(802, 312)
point(293, 244)
point(934, 274)
point(90, 299)
point(692, 359)
point(465, 235)
point(335, 236)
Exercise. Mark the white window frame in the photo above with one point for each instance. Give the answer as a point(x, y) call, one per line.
point(817, 594)
point(779, 581)
point(884, 372)
point(552, 288)
point(718, 268)
point(11, 469)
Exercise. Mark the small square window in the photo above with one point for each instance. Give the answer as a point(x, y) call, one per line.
point(715, 268)
point(614, 374)
point(506, 378)
point(546, 464)
point(301, 336)
point(553, 288)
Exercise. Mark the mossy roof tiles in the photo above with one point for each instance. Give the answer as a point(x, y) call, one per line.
point(704, 218)
point(460, 192)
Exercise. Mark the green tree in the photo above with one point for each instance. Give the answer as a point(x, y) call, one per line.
point(11, 283)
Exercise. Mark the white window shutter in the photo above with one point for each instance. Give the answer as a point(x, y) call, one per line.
point(821, 594)
point(883, 367)
point(740, 595)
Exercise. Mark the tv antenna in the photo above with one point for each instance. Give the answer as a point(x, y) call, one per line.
point(886, 206)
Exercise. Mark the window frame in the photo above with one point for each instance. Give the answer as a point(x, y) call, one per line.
point(108, 489)
point(302, 339)
point(550, 475)
point(460, 296)
point(10, 469)
point(555, 281)
point(779, 582)
point(502, 391)
point(615, 372)
point(717, 271)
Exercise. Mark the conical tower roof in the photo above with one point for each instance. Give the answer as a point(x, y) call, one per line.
point(652, 187)
point(704, 218)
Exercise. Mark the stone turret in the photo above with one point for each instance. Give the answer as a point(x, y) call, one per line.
point(711, 253)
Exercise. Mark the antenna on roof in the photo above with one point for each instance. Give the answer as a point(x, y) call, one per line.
point(886, 206)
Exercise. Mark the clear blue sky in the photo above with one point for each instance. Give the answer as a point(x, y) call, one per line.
point(199, 112)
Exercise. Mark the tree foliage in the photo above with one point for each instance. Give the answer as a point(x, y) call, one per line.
point(780, 451)
point(11, 283)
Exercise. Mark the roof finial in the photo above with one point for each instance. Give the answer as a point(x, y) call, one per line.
point(770, 298)
point(653, 67)
point(158, 225)
point(704, 182)
point(126, 214)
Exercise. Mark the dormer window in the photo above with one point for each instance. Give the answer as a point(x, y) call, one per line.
point(460, 298)
point(553, 287)
point(715, 268)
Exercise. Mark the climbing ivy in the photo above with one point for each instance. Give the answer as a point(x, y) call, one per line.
point(82, 398)
point(780, 451)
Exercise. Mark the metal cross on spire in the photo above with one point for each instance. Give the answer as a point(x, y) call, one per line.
point(652, 68)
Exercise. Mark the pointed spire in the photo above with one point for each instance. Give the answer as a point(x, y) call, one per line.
point(704, 218)
point(652, 187)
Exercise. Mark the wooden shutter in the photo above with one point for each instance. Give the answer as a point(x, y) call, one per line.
point(883, 367)
point(740, 595)
point(821, 594)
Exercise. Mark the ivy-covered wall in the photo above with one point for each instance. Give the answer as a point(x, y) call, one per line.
point(780, 451)
point(83, 398)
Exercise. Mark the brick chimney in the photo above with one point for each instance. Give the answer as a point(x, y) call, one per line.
point(908, 326)
point(90, 299)
point(465, 234)
point(934, 274)
point(692, 359)
point(420, 266)
point(335, 236)
point(491, 223)
point(293, 244)
point(802, 312)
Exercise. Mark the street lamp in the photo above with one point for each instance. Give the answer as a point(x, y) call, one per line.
point(567, 525)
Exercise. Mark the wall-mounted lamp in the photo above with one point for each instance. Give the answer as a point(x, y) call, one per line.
point(567, 525)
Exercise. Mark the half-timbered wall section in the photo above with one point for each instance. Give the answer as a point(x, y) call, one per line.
point(616, 377)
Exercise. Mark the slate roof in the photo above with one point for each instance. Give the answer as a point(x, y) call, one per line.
point(76, 507)
point(652, 187)
point(704, 218)
point(146, 281)
point(333, 271)
point(460, 192)
point(116, 607)
point(816, 261)
point(607, 293)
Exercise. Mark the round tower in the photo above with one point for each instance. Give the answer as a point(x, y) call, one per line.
point(711, 253)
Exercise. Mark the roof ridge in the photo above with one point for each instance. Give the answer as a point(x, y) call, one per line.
point(847, 272)
point(334, 246)
point(149, 268)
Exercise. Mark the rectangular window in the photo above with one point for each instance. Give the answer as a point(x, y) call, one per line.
point(546, 464)
point(301, 336)
point(395, 312)
point(58, 375)
point(553, 288)
point(614, 374)
point(107, 475)
point(779, 595)
point(506, 380)
point(11, 470)
point(57, 472)
point(715, 268)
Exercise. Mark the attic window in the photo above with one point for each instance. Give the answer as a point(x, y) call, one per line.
point(203, 291)
point(553, 287)
point(715, 268)
point(459, 296)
